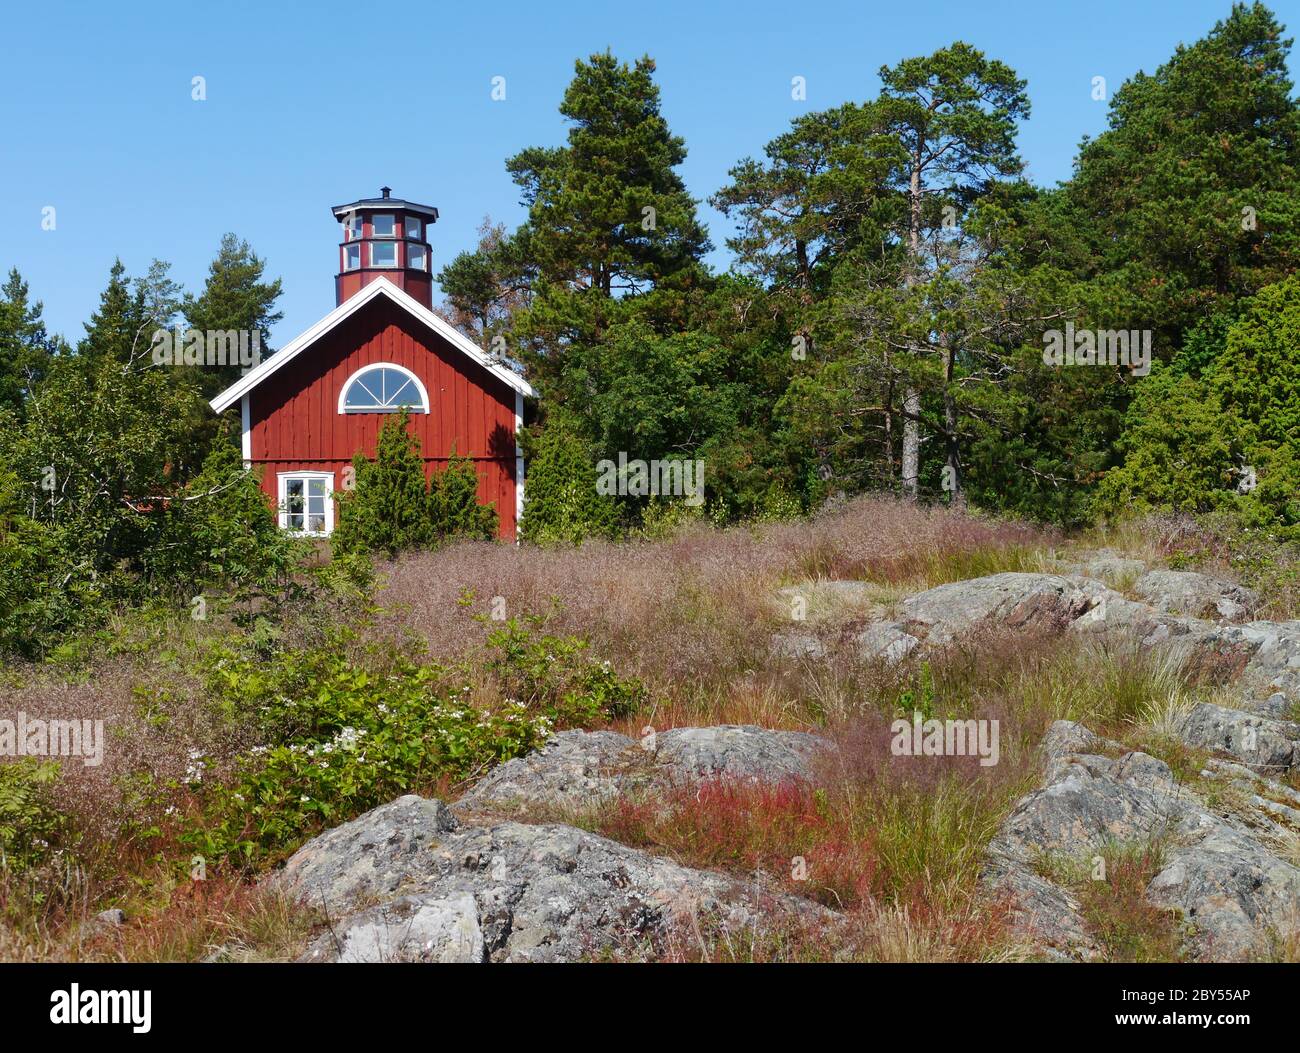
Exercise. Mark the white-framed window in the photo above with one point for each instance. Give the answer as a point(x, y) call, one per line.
point(383, 388)
point(383, 225)
point(352, 227)
point(414, 228)
point(351, 257)
point(383, 254)
point(307, 502)
point(417, 257)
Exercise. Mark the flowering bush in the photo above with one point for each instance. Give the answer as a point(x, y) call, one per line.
point(556, 675)
point(341, 736)
point(340, 739)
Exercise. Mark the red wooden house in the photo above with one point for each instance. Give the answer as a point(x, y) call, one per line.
point(321, 398)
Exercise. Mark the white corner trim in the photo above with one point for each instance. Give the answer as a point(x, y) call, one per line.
point(519, 463)
point(419, 386)
point(246, 430)
point(379, 287)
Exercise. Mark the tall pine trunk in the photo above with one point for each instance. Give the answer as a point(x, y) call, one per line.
point(911, 397)
point(951, 441)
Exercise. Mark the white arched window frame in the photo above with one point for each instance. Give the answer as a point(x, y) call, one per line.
point(376, 394)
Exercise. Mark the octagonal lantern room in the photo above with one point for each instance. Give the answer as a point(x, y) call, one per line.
point(385, 237)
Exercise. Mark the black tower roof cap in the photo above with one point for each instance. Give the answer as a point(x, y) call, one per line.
point(339, 211)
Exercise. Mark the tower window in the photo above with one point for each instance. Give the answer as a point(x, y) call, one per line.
point(384, 226)
point(417, 259)
point(414, 228)
point(351, 257)
point(383, 254)
point(352, 227)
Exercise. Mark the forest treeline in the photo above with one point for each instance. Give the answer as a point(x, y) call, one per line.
point(896, 280)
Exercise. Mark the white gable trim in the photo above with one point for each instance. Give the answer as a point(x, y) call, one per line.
point(344, 311)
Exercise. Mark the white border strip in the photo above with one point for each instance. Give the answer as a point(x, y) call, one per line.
point(519, 463)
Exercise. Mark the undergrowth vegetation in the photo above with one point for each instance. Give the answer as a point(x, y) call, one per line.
point(232, 739)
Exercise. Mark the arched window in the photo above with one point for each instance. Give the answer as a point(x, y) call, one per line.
point(383, 388)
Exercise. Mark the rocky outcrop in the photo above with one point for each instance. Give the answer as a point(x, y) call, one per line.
point(1263, 656)
point(1227, 885)
point(1271, 745)
point(889, 642)
point(405, 882)
point(579, 769)
point(1197, 595)
point(1004, 601)
point(369, 858)
point(1274, 665)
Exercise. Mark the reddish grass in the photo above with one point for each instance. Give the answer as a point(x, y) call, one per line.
point(784, 830)
point(1129, 928)
point(203, 917)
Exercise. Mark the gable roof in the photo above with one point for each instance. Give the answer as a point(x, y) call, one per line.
point(345, 310)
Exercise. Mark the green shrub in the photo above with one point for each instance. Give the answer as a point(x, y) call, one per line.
point(338, 739)
point(43, 592)
point(556, 676)
point(390, 508)
point(220, 532)
point(561, 502)
point(453, 505)
point(30, 826)
point(386, 511)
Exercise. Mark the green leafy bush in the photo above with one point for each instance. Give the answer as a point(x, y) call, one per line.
point(43, 593)
point(30, 826)
point(340, 738)
point(340, 735)
point(557, 676)
point(220, 531)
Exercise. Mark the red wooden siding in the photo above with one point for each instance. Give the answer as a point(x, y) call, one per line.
point(296, 424)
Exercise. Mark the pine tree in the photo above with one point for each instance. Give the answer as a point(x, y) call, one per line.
point(454, 511)
point(485, 288)
point(25, 346)
point(1188, 199)
point(116, 330)
point(387, 509)
point(561, 502)
point(608, 212)
point(821, 193)
point(954, 113)
point(609, 221)
point(235, 297)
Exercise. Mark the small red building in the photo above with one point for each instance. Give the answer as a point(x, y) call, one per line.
point(308, 408)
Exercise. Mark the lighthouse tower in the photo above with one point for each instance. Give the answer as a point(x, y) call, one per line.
point(385, 237)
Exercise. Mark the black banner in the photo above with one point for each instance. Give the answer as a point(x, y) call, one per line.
point(176, 1003)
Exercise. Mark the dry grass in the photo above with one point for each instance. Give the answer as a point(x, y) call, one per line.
point(895, 843)
point(693, 615)
point(1223, 549)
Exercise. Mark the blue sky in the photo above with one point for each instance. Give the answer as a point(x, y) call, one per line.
point(313, 105)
